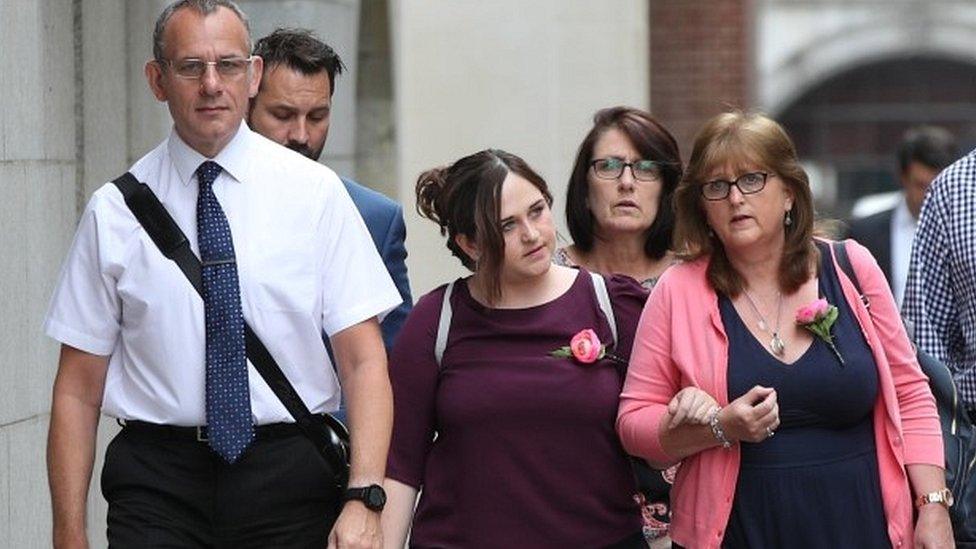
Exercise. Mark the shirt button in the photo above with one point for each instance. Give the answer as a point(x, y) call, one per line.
point(897, 441)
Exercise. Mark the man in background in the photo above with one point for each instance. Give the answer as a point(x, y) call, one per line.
point(924, 152)
point(293, 107)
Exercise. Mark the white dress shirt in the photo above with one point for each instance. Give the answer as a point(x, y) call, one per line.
point(903, 227)
point(306, 265)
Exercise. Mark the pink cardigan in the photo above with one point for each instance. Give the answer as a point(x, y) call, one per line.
point(681, 342)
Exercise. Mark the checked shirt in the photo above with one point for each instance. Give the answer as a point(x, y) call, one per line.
point(940, 296)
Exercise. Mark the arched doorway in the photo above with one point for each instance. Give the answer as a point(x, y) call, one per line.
point(848, 127)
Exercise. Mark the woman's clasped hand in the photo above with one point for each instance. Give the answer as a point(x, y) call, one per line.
point(751, 417)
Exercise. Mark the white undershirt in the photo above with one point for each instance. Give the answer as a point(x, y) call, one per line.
point(903, 227)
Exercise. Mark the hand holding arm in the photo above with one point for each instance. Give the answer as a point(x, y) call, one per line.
point(744, 419)
point(690, 406)
point(752, 416)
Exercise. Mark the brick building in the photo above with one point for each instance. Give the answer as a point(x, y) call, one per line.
point(845, 77)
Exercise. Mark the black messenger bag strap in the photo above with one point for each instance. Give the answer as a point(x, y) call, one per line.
point(331, 438)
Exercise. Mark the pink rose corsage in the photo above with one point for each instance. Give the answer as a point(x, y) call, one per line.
point(819, 318)
point(586, 348)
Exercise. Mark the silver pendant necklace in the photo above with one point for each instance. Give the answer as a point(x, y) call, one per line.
point(776, 343)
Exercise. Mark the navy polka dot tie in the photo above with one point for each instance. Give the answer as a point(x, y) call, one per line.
point(229, 426)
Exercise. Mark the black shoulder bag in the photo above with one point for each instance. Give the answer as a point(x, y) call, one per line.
point(957, 428)
point(330, 437)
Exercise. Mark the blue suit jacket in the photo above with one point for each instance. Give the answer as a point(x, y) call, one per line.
point(384, 219)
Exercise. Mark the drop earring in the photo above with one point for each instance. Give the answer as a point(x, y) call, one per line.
point(788, 220)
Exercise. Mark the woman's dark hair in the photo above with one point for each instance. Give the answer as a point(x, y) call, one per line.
point(465, 199)
point(654, 142)
point(739, 140)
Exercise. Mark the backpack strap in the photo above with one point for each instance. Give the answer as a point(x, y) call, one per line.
point(844, 261)
point(940, 377)
point(603, 298)
point(447, 314)
point(444, 325)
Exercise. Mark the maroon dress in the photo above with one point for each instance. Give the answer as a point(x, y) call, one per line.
point(512, 447)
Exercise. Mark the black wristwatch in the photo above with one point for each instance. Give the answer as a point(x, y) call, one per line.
point(372, 496)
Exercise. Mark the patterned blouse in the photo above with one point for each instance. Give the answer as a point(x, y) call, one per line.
point(654, 487)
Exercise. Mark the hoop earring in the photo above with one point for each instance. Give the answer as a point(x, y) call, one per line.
point(788, 220)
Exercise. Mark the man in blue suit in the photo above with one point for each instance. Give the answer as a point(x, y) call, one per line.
point(293, 107)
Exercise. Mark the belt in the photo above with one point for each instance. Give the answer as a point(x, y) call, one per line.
point(199, 434)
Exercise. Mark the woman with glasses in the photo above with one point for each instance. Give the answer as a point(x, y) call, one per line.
point(801, 417)
point(507, 444)
point(618, 208)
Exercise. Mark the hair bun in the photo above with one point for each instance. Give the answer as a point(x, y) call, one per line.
point(430, 186)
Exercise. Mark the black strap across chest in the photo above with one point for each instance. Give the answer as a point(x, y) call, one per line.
point(331, 438)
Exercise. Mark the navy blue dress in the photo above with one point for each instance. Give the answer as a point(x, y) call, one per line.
point(815, 483)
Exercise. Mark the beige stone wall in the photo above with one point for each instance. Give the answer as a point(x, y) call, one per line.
point(522, 76)
point(38, 182)
point(375, 123)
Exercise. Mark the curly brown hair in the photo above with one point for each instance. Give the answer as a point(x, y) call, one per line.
point(464, 198)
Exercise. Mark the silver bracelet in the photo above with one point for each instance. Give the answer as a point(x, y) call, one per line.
point(717, 429)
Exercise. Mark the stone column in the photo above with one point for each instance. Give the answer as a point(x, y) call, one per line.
point(38, 181)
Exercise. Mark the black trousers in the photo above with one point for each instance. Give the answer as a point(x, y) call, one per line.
point(176, 492)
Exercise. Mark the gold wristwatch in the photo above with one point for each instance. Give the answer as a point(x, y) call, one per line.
point(943, 497)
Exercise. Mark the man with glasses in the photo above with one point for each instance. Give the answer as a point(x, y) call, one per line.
point(208, 455)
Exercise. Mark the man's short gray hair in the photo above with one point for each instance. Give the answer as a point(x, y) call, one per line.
point(204, 7)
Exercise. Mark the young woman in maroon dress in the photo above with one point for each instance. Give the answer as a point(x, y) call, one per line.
point(507, 445)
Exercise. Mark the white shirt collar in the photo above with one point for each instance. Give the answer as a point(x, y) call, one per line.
point(233, 158)
point(903, 227)
point(902, 218)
